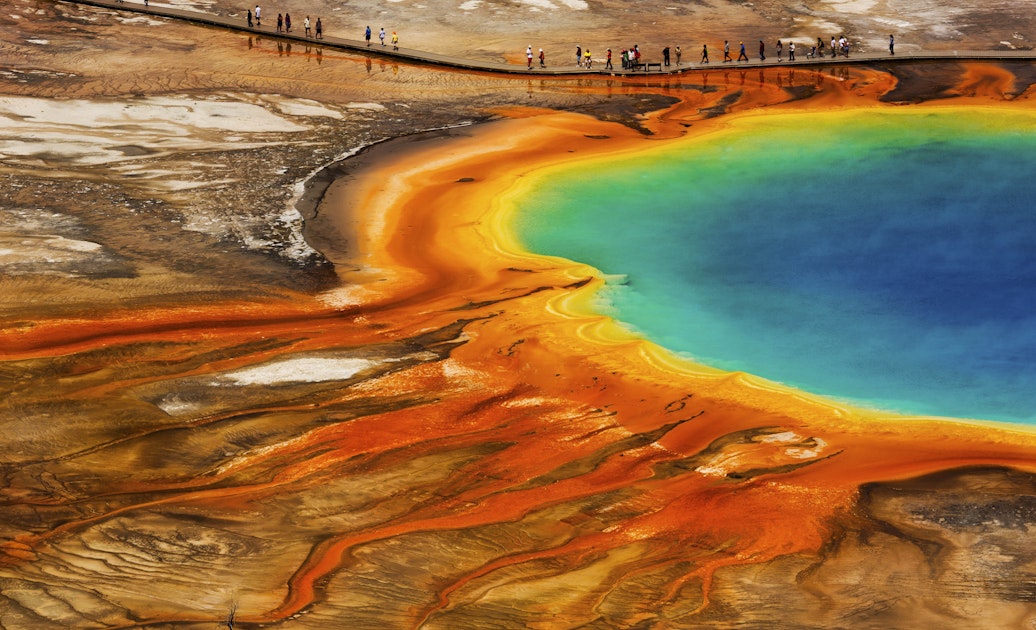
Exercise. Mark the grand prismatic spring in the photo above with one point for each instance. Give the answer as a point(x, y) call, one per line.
point(282, 344)
point(893, 233)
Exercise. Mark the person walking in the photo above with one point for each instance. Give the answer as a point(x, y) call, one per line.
point(742, 54)
point(528, 55)
point(320, 29)
point(543, 59)
point(705, 53)
point(381, 35)
point(762, 51)
point(608, 60)
point(287, 22)
point(280, 23)
point(395, 41)
point(579, 56)
point(834, 47)
point(780, 49)
point(249, 18)
point(726, 51)
point(588, 59)
point(679, 54)
point(258, 17)
point(305, 26)
point(367, 35)
point(791, 51)
point(892, 45)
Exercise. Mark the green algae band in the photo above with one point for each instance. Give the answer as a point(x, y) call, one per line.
point(880, 257)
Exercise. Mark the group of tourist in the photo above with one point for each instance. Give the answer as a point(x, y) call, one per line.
point(585, 59)
point(632, 57)
point(284, 26)
point(839, 47)
point(528, 56)
point(284, 23)
point(381, 36)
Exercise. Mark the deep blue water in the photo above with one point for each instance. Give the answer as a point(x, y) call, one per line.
point(890, 263)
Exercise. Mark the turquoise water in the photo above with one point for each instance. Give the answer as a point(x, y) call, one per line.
point(889, 262)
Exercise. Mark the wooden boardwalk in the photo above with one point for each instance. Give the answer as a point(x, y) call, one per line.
point(432, 58)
